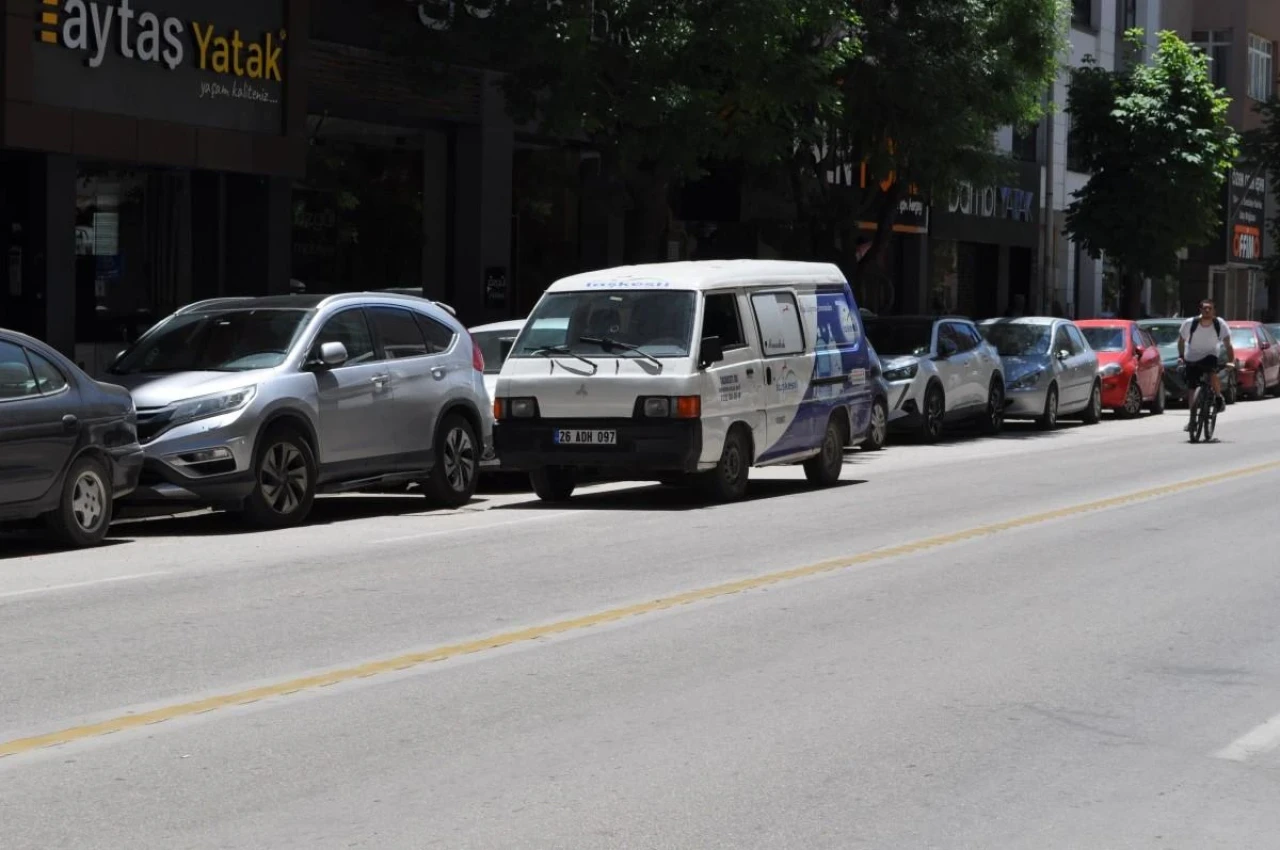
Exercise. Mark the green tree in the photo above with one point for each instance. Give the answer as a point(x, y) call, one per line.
point(921, 103)
point(661, 86)
point(1263, 147)
point(1156, 141)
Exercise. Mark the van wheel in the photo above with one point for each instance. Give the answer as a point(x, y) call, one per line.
point(553, 483)
point(728, 481)
point(453, 479)
point(84, 512)
point(878, 432)
point(823, 469)
point(284, 481)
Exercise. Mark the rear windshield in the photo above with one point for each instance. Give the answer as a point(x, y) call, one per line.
point(899, 338)
point(1243, 338)
point(1105, 339)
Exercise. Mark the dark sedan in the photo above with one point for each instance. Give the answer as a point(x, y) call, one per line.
point(68, 444)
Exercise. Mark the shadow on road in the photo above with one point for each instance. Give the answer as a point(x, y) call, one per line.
point(655, 497)
point(29, 544)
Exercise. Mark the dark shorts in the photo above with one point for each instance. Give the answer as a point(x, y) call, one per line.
point(1197, 370)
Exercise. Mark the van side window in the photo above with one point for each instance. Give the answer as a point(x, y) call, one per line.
point(720, 318)
point(778, 316)
point(837, 321)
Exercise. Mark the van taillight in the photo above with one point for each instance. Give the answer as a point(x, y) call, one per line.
point(477, 357)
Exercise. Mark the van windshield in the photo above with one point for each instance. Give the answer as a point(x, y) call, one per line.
point(659, 324)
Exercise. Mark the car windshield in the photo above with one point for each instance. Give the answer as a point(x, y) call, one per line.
point(1163, 334)
point(900, 338)
point(495, 345)
point(1243, 338)
point(1105, 339)
point(1017, 339)
point(230, 341)
point(658, 324)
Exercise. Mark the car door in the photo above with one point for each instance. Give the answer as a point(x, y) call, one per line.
point(733, 390)
point(977, 369)
point(38, 427)
point(354, 399)
point(1083, 363)
point(1270, 356)
point(1069, 397)
point(420, 383)
point(786, 373)
point(1147, 363)
point(952, 363)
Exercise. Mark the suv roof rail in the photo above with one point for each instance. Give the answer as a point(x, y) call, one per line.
point(196, 305)
point(383, 293)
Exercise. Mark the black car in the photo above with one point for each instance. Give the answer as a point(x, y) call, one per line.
point(68, 444)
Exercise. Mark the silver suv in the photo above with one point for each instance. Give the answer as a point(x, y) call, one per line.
point(257, 404)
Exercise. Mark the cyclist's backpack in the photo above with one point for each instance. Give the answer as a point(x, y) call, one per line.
point(1195, 323)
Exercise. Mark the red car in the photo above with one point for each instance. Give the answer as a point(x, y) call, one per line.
point(1259, 356)
point(1129, 364)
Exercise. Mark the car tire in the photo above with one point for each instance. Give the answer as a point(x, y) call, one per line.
point(933, 413)
point(553, 483)
point(1159, 403)
point(1092, 414)
point(284, 480)
point(1260, 387)
point(1049, 419)
point(84, 512)
point(823, 469)
point(1233, 394)
point(728, 481)
point(452, 482)
point(1132, 407)
point(878, 430)
point(993, 418)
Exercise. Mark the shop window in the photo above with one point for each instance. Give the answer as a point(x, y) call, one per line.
point(1216, 45)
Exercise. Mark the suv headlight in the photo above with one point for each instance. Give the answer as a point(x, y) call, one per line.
point(902, 373)
point(214, 404)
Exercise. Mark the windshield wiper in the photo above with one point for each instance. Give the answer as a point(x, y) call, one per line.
point(563, 351)
point(605, 343)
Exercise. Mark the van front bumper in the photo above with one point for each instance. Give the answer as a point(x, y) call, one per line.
point(641, 447)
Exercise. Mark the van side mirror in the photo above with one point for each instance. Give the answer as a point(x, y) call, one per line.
point(332, 355)
point(710, 352)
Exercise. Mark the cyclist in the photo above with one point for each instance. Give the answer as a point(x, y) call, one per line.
point(1198, 344)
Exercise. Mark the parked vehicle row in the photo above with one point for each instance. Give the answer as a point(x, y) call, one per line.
point(686, 373)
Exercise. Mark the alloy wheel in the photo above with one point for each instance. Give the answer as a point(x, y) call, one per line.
point(283, 478)
point(1133, 400)
point(933, 415)
point(459, 459)
point(879, 425)
point(88, 501)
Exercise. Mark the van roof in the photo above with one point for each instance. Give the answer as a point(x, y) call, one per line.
point(702, 275)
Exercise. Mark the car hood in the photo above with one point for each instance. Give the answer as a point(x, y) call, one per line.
point(1023, 364)
point(162, 390)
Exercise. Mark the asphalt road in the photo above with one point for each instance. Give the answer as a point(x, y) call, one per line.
point(1037, 641)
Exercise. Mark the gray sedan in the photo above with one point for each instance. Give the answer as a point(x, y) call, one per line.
point(1050, 370)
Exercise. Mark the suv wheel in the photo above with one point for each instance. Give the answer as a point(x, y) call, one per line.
point(284, 476)
point(453, 478)
point(84, 512)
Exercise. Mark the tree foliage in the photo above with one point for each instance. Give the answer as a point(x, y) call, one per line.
point(1156, 141)
point(922, 100)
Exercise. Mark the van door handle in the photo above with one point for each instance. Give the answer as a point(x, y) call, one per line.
point(768, 375)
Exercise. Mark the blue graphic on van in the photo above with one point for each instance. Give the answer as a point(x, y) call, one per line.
point(839, 377)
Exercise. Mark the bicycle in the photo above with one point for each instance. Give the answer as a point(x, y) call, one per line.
point(1204, 411)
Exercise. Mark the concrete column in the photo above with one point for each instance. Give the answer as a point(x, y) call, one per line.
point(435, 214)
point(482, 210)
point(58, 246)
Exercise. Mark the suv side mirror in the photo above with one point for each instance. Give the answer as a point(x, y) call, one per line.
point(710, 352)
point(332, 355)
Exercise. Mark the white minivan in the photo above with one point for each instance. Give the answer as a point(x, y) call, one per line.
point(686, 371)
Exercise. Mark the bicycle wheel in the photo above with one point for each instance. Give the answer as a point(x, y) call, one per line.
point(1209, 416)
point(1197, 419)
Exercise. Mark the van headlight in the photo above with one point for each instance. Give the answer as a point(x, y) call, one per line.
point(214, 404)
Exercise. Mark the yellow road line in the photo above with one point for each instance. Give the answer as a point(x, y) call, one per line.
point(612, 615)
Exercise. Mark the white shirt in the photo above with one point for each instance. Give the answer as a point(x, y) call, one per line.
point(1205, 343)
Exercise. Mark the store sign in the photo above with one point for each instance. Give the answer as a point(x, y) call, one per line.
point(218, 63)
point(1005, 202)
point(1246, 215)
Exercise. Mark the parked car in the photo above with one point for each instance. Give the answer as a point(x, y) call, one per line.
point(939, 370)
point(1129, 364)
point(686, 370)
point(1258, 357)
point(1165, 333)
point(68, 444)
point(259, 404)
point(1052, 371)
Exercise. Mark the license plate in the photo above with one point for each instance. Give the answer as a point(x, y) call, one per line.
point(574, 437)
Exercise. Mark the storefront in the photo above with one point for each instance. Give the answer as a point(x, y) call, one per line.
point(146, 160)
point(983, 242)
point(1231, 271)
